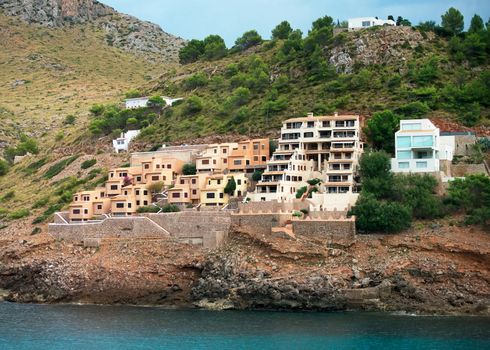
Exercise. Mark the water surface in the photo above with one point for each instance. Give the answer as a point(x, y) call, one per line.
point(119, 327)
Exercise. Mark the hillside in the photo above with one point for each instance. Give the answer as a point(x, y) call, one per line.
point(250, 92)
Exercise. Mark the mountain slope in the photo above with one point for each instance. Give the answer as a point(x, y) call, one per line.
point(251, 92)
point(123, 31)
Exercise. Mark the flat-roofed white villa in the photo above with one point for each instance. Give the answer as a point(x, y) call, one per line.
point(420, 148)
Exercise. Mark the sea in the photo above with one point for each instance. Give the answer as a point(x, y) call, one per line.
point(27, 326)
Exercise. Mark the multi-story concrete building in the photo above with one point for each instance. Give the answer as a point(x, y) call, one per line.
point(325, 148)
point(420, 148)
point(244, 156)
point(88, 204)
point(213, 194)
point(187, 189)
point(131, 198)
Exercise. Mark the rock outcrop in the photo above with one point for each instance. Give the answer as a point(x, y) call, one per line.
point(122, 31)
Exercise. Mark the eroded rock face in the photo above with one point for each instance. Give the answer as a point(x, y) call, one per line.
point(122, 31)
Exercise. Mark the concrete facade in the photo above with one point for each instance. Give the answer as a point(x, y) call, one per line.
point(122, 142)
point(367, 22)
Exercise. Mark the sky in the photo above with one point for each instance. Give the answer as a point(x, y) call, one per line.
point(195, 19)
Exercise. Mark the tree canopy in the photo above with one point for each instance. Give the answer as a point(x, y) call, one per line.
point(453, 21)
point(282, 30)
point(381, 130)
point(247, 40)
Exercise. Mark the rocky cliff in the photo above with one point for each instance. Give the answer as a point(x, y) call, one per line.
point(435, 267)
point(122, 31)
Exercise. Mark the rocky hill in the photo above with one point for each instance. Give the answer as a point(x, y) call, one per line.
point(122, 31)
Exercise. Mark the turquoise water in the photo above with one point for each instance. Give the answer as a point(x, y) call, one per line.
point(117, 327)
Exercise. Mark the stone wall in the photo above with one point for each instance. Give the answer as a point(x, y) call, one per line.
point(272, 207)
point(260, 223)
point(463, 144)
point(209, 227)
point(343, 228)
point(131, 227)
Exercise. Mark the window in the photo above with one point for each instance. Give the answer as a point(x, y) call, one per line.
point(99, 207)
point(147, 166)
point(210, 195)
point(193, 181)
point(244, 147)
point(138, 203)
point(76, 211)
point(221, 195)
point(264, 158)
point(186, 195)
point(218, 182)
point(239, 182)
point(256, 146)
point(422, 141)
point(138, 178)
point(237, 162)
point(412, 126)
point(145, 193)
point(308, 134)
point(214, 161)
point(421, 165)
point(403, 141)
point(145, 203)
point(256, 158)
point(129, 205)
point(205, 161)
point(169, 166)
point(119, 205)
point(182, 181)
point(114, 187)
point(403, 165)
point(137, 192)
point(194, 192)
point(366, 23)
point(125, 193)
point(158, 166)
point(225, 150)
point(176, 195)
point(310, 125)
point(403, 154)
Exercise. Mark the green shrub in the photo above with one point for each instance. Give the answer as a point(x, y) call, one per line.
point(193, 105)
point(19, 214)
point(148, 209)
point(40, 203)
point(170, 208)
point(314, 182)
point(195, 81)
point(36, 231)
point(379, 216)
point(230, 186)
point(381, 130)
point(69, 120)
point(88, 163)
point(257, 175)
point(4, 167)
point(301, 191)
point(59, 167)
point(34, 167)
point(189, 169)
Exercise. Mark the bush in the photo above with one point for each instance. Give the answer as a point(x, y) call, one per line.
point(191, 52)
point(189, 169)
point(170, 208)
point(193, 105)
point(59, 167)
point(195, 81)
point(230, 186)
point(314, 182)
point(156, 187)
point(36, 231)
point(40, 203)
point(282, 31)
point(34, 167)
point(47, 214)
point(472, 196)
point(4, 167)
point(415, 109)
point(69, 120)
point(373, 215)
point(301, 191)
point(88, 163)
point(247, 40)
point(19, 214)
point(381, 130)
point(257, 175)
point(148, 209)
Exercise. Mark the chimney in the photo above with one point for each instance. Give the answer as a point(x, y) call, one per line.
point(310, 114)
point(336, 114)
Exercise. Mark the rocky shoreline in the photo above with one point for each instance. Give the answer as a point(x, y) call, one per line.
point(443, 270)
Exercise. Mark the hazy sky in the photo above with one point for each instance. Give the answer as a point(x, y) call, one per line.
point(195, 19)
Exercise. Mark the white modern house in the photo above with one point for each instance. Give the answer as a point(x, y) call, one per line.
point(420, 148)
point(122, 143)
point(367, 22)
point(142, 102)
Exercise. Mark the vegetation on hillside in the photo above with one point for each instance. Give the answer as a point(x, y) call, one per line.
point(252, 87)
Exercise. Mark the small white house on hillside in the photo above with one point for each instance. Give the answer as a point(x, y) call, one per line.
point(420, 148)
point(141, 102)
point(367, 22)
point(122, 143)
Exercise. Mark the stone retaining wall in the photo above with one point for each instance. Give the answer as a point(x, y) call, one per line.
point(134, 227)
point(260, 223)
point(344, 228)
point(461, 170)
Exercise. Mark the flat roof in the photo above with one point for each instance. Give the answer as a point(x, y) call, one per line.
point(321, 118)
